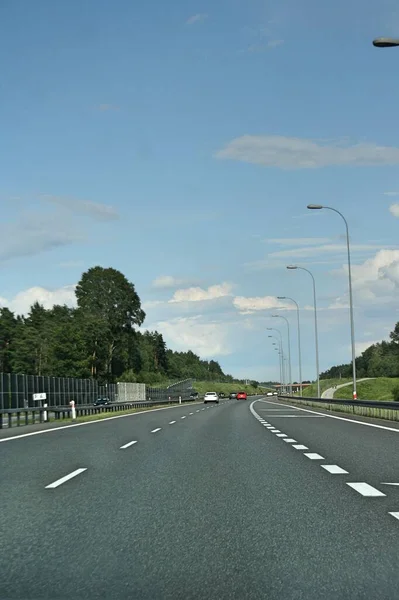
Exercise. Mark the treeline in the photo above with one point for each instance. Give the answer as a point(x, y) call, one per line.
point(378, 360)
point(99, 338)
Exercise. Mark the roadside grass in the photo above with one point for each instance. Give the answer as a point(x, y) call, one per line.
point(362, 411)
point(311, 390)
point(375, 389)
point(209, 386)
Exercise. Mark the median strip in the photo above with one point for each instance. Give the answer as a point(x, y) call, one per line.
point(55, 484)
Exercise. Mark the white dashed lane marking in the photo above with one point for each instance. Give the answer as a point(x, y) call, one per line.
point(182, 417)
point(313, 456)
point(282, 435)
point(365, 489)
point(127, 445)
point(395, 514)
point(300, 447)
point(275, 430)
point(157, 429)
point(172, 422)
point(290, 440)
point(334, 469)
point(55, 484)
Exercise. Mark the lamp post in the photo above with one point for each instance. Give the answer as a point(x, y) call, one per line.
point(279, 363)
point(281, 352)
point(292, 267)
point(289, 349)
point(318, 207)
point(385, 42)
point(281, 338)
point(299, 337)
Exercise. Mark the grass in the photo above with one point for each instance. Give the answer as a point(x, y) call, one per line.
point(311, 390)
point(374, 389)
point(208, 386)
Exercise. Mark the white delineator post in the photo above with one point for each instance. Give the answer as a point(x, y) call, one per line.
point(179, 399)
point(72, 403)
point(45, 413)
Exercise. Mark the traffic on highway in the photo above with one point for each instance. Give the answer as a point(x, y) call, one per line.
point(255, 499)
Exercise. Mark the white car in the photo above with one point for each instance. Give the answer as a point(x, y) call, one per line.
point(269, 394)
point(211, 397)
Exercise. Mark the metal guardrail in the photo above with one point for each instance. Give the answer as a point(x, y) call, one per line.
point(365, 403)
point(16, 417)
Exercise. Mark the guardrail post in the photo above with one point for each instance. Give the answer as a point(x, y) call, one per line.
point(72, 403)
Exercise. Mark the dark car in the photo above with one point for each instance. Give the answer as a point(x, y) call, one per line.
point(102, 402)
point(232, 395)
point(241, 396)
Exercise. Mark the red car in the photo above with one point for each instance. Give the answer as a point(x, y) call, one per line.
point(241, 396)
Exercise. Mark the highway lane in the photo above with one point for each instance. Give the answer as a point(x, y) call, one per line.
point(212, 506)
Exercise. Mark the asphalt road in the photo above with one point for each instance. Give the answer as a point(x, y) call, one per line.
point(215, 505)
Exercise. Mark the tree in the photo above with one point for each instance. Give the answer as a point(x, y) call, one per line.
point(8, 325)
point(112, 307)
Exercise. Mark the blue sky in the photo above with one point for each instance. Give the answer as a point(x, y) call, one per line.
point(180, 142)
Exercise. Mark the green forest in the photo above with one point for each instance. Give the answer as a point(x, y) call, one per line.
point(99, 338)
point(378, 360)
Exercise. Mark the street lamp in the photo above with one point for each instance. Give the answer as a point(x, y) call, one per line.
point(318, 207)
point(289, 349)
point(299, 337)
point(281, 352)
point(281, 339)
point(279, 363)
point(384, 42)
point(292, 267)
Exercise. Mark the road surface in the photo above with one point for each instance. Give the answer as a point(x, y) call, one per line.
point(241, 500)
point(329, 393)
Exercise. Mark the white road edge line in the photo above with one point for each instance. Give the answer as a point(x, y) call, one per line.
point(63, 427)
point(313, 455)
point(328, 416)
point(157, 429)
point(64, 479)
point(334, 469)
point(128, 444)
point(365, 489)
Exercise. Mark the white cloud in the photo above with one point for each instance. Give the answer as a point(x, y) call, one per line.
point(249, 305)
point(197, 294)
point(309, 251)
point(275, 43)
point(375, 281)
point(300, 153)
point(206, 338)
point(198, 18)
point(99, 212)
point(394, 210)
point(22, 302)
point(167, 282)
point(391, 193)
point(360, 347)
point(35, 233)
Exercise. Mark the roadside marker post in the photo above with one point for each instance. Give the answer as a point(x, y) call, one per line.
point(72, 403)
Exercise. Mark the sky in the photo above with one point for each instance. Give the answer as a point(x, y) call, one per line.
point(180, 142)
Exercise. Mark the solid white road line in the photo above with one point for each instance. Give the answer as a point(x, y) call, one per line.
point(365, 489)
point(282, 435)
point(314, 412)
point(298, 416)
point(157, 429)
point(84, 423)
point(172, 422)
point(64, 479)
point(127, 445)
point(395, 514)
point(334, 469)
point(290, 441)
point(300, 447)
point(313, 456)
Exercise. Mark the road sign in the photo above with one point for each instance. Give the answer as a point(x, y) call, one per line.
point(41, 396)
